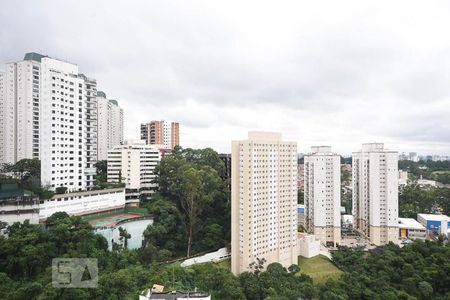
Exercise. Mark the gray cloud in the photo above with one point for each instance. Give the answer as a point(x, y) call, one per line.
point(331, 73)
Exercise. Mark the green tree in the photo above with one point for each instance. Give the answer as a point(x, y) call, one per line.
point(191, 180)
point(124, 237)
point(191, 204)
point(101, 176)
point(300, 197)
point(61, 190)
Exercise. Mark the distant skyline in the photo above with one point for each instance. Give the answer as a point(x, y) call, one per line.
point(337, 73)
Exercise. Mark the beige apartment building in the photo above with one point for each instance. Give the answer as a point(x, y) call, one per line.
point(263, 201)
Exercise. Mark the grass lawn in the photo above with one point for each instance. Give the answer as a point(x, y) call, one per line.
point(320, 268)
point(440, 172)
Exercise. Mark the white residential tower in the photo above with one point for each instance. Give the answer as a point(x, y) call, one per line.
point(110, 125)
point(375, 193)
point(322, 194)
point(49, 112)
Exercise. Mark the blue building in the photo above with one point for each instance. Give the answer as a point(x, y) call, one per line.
point(434, 224)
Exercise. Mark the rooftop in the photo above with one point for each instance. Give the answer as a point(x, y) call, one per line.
point(409, 223)
point(5, 194)
point(34, 56)
point(430, 217)
point(174, 295)
point(12, 190)
point(264, 136)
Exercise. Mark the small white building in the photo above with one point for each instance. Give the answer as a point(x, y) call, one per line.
point(83, 203)
point(411, 229)
point(426, 182)
point(402, 178)
point(308, 246)
point(157, 293)
point(347, 220)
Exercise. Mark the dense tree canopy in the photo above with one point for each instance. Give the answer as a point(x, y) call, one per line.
point(414, 199)
point(434, 170)
point(191, 210)
point(417, 271)
point(192, 198)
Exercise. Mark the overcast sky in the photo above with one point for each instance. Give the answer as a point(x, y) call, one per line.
point(336, 73)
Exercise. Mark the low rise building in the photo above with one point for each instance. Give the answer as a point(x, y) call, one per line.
point(347, 219)
point(83, 203)
point(157, 293)
point(434, 224)
point(18, 205)
point(308, 246)
point(411, 229)
point(426, 182)
point(402, 178)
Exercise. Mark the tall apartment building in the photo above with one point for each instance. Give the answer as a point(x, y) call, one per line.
point(110, 125)
point(49, 112)
point(263, 201)
point(2, 115)
point(20, 109)
point(133, 163)
point(161, 133)
point(375, 193)
point(322, 194)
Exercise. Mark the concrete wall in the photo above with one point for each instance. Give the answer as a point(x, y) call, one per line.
point(83, 202)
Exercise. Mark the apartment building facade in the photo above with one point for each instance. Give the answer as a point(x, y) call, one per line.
point(322, 194)
point(67, 140)
point(19, 120)
point(133, 163)
point(161, 133)
point(49, 111)
point(2, 115)
point(263, 201)
point(375, 193)
point(110, 125)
